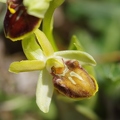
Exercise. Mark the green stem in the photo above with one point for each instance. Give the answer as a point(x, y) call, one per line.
point(48, 22)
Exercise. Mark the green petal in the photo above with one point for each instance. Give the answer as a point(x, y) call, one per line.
point(44, 91)
point(4, 1)
point(44, 42)
point(32, 49)
point(37, 8)
point(82, 57)
point(26, 65)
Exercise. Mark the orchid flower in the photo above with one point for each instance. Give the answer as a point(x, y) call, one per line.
point(23, 17)
point(62, 70)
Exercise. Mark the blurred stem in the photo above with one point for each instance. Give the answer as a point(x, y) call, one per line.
point(90, 114)
point(48, 22)
point(108, 57)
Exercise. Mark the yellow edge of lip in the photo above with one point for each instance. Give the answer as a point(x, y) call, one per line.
point(11, 9)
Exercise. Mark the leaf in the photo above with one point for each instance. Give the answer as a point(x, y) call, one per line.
point(75, 44)
point(44, 91)
point(87, 112)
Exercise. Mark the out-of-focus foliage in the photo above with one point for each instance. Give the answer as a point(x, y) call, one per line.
point(97, 25)
point(99, 32)
point(2, 14)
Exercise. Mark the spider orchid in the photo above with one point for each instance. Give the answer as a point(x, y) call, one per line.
point(62, 70)
point(23, 17)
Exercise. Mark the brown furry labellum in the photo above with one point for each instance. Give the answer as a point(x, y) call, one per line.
point(73, 81)
point(17, 22)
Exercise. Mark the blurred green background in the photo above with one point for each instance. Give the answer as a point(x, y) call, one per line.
point(96, 23)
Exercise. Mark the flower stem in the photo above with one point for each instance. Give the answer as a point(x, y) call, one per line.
point(48, 22)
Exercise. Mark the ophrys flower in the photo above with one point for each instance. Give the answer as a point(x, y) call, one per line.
point(61, 70)
point(23, 17)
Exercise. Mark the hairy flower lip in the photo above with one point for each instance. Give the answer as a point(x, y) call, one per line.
point(75, 82)
point(19, 24)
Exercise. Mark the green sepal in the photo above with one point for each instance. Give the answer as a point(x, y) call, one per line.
point(83, 57)
point(26, 65)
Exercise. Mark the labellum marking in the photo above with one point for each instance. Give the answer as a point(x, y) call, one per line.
point(73, 82)
point(10, 15)
point(19, 15)
point(76, 75)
